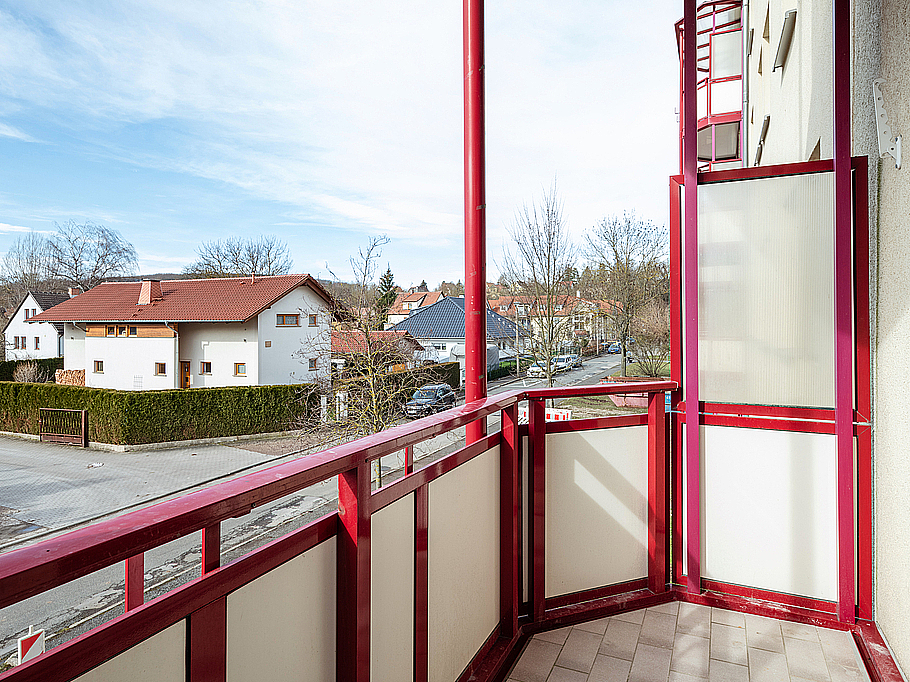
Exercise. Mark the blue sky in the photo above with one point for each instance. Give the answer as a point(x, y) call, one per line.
point(325, 123)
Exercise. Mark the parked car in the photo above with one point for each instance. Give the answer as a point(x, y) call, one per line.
point(563, 363)
point(614, 347)
point(538, 370)
point(576, 360)
point(429, 399)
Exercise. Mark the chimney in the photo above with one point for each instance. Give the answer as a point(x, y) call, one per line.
point(150, 291)
point(578, 293)
point(74, 291)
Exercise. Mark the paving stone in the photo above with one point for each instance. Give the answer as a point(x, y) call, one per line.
point(732, 618)
point(610, 669)
point(579, 651)
point(676, 676)
point(598, 626)
point(651, 664)
point(690, 655)
point(767, 666)
point(806, 659)
point(840, 673)
point(671, 607)
point(536, 661)
point(838, 647)
point(636, 616)
point(764, 633)
point(620, 639)
point(728, 643)
point(798, 631)
point(658, 629)
point(722, 671)
point(566, 675)
point(556, 636)
point(694, 619)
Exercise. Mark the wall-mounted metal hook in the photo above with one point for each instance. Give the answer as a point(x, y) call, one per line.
point(887, 143)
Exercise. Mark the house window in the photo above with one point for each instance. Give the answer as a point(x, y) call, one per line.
point(133, 331)
point(160, 368)
point(26, 313)
point(99, 366)
point(121, 331)
point(37, 343)
point(312, 320)
point(34, 311)
point(205, 367)
point(312, 364)
point(268, 344)
point(111, 331)
point(288, 321)
point(240, 369)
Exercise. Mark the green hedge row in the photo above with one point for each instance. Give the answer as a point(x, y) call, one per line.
point(134, 417)
point(49, 365)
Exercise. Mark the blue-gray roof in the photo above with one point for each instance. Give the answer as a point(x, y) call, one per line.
point(445, 320)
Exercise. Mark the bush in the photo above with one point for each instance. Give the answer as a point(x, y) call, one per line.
point(48, 365)
point(134, 417)
point(30, 372)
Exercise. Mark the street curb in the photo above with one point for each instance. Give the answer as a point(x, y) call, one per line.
point(166, 445)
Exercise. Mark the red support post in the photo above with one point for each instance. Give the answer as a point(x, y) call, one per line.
point(211, 548)
point(475, 240)
point(409, 460)
point(510, 523)
point(208, 626)
point(135, 582)
point(421, 584)
point(537, 438)
point(690, 167)
point(657, 494)
point(843, 313)
point(353, 606)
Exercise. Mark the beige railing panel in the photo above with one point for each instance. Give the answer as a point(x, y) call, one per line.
point(160, 658)
point(596, 508)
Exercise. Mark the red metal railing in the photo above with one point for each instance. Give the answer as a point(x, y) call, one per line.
point(201, 603)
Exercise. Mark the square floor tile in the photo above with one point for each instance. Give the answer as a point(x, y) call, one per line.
point(566, 675)
point(721, 671)
point(609, 669)
point(767, 666)
point(579, 651)
point(690, 655)
point(651, 664)
point(536, 661)
point(732, 618)
point(694, 619)
point(798, 631)
point(728, 643)
point(620, 639)
point(636, 616)
point(598, 626)
point(806, 659)
point(764, 633)
point(658, 629)
point(556, 636)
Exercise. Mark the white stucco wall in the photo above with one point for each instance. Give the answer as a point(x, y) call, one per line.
point(286, 360)
point(223, 344)
point(44, 331)
point(73, 346)
point(129, 363)
point(799, 95)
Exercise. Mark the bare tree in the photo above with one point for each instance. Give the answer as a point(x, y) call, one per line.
point(85, 255)
point(24, 268)
point(535, 268)
point(369, 395)
point(652, 338)
point(239, 257)
point(630, 269)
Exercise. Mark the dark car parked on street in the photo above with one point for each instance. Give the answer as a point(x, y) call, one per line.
point(429, 399)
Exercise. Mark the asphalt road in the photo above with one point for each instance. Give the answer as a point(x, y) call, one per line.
point(49, 489)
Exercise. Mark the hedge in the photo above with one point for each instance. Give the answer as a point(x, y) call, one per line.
point(134, 417)
point(49, 365)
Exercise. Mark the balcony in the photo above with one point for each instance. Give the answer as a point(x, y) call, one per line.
point(454, 571)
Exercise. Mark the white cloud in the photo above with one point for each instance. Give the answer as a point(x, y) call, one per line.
point(5, 228)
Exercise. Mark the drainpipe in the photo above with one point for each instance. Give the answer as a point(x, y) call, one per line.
point(475, 316)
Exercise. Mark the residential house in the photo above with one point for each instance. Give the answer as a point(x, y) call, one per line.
point(241, 331)
point(398, 348)
point(581, 321)
point(26, 341)
point(407, 302)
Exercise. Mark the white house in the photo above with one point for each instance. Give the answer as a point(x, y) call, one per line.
point(26, 341)
point(241, 331)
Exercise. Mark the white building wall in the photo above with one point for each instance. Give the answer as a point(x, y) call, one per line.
point(45, 332)
point(129, 363)
point(73, 346)
point(224, 344)
point(286, 359)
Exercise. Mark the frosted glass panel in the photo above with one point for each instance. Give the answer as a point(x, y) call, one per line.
point(726, 54)
point(766, 291)
point(726, 97)
point(702, 101)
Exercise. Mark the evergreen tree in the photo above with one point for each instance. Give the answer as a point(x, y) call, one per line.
point(386, 291)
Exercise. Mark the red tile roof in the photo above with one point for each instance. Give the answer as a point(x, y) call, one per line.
point(235, 299)
point(348, 342)
point(421, 298)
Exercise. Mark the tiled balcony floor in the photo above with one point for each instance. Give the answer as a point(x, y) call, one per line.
point(679, 642)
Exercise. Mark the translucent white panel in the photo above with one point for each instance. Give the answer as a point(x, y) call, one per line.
point(769, 510)
point(392, 592)
point(160, 658)
point(702, 101)
point(597, 508)
point(726, 97)
point(282, 626)
point(726, 54)
point(463, 554)
point(766, 291)
point(726, 141)
point(728, 17)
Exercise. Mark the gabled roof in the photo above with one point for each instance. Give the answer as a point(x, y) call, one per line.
point(445, 320)
point(352, 341)
point(421, 298)
point(229, 299)
point(48, 299)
